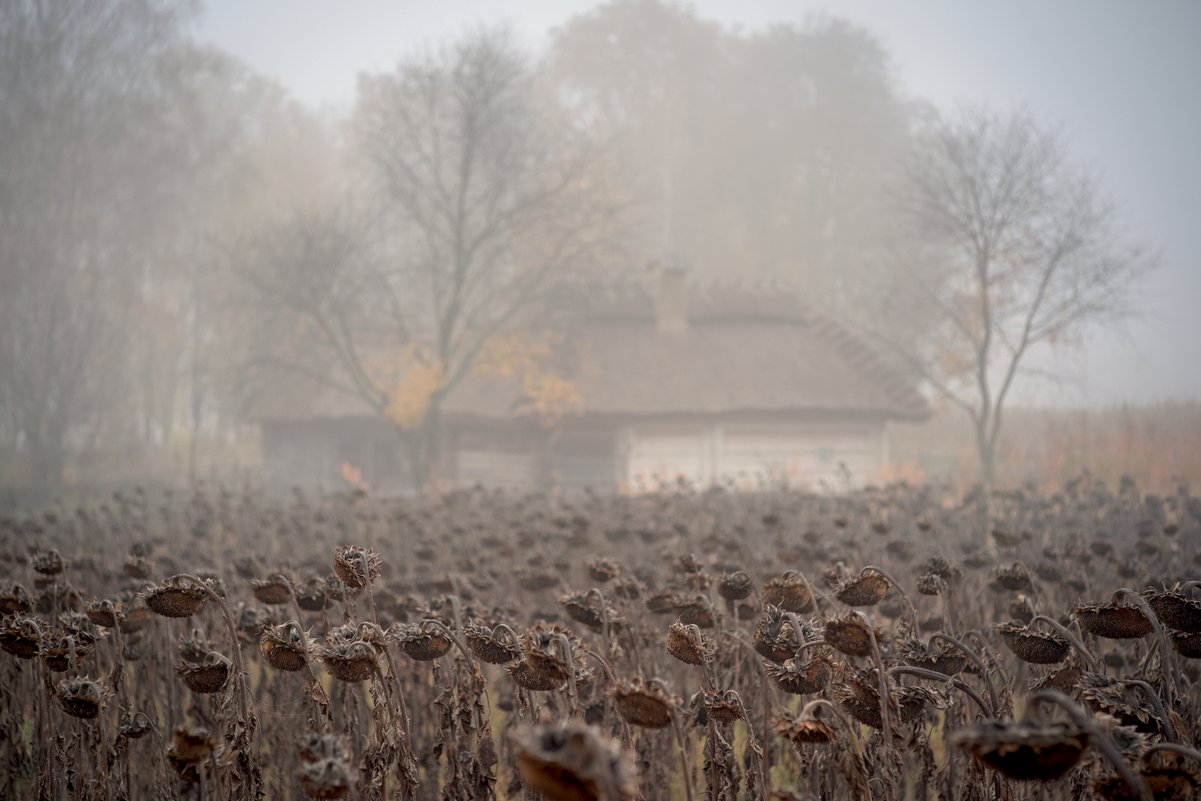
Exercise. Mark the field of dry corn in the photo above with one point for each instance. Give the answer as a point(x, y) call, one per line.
point(891, 644)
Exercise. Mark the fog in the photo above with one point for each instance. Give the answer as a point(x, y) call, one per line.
point(600, 400)
point(578, 244)
point(1113, 75)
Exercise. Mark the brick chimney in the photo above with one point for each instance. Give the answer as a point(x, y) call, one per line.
point(671, 298)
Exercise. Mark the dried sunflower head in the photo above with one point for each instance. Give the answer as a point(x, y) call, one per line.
point(327, 779)
point(48, 562)
point(104, 613)
point(939, 566)
point(211, 579)
point(694, 610)
point(194, 647)
point(134, 728)
point(351, 661)
point(356, 566)
point(1021, 609)
point(663, 602)
point(274, 590)
point(1113, 620)
point(1023, 751)
point(14, 599)
point(335, 588)
point(571, 761)
point(549, 659)
point(603, 570)
point(80, 625)
point(248, 566)
point(1186, 643)
point(53, 591)
point(1107, 696)
point(312, 596)
point(688, 563)
point(535, 581)
point(21, 636)
point(1062, 679)
point(859, 695)
point(134, 616)
point(851, 635)
point(901, 550)
point(550, 649)
point(1128, 740)
point(1169, 778)
point(931, 584)
point(1036, 647)
point(316, 746)
point(789, 592)
point(62, 650)
point(724, 707)
point(586, 608)
point(176, 596)
point(138, 567)
point(687, 644)
point(775, 636)
point(808, 728)
point(735, 586)
point(325, 766)
point(1014, 578)
point(866, 589)
point(643, 703)
point(352, 632)
point(251, 621)
point(192, 744)
point(1175, 609)
point(189, 747)
point(424, 641)
point(1048, 571)
point(941, 657)
point(799, 677)
point(496, 646)
point(532, 679)
point(82, 697)
point(283, 646)
point(208, 675)
point(1006, 539)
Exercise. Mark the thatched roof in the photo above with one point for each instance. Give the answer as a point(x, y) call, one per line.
point(738, 352)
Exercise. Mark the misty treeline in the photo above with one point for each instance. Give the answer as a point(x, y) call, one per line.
point(179, 238)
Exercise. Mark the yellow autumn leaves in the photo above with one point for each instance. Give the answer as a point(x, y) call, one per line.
point(416, 379)
point(527, 358)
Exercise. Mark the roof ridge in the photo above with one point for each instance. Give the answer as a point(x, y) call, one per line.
point(855, 349)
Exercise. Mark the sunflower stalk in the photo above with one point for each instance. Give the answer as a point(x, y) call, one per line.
point(1098, 738)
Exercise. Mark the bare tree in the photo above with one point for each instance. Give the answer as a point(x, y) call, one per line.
point(1031, 252)
point(755, 155)
point(82, 160)
point(482, 197)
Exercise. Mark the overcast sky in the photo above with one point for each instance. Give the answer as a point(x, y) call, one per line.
point(1121, 77)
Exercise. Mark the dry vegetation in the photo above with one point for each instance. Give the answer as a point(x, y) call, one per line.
point(1159, 444)
point(891, 644)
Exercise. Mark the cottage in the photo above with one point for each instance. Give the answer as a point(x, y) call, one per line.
point(674, 383)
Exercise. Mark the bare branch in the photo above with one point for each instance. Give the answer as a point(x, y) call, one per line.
point(1038, 244)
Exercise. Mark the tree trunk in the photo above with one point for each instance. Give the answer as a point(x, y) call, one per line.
point(424, 446)
point(47, 457)
point(988, 468)
point(986, 450)
point(431, 429)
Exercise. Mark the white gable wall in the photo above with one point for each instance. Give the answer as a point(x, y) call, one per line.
point(830, 456)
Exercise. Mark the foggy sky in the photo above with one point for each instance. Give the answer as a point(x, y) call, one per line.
point(1119, 77)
